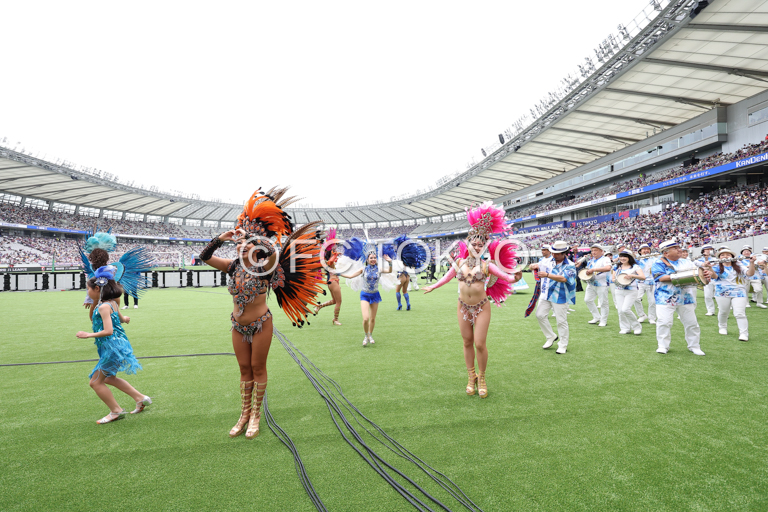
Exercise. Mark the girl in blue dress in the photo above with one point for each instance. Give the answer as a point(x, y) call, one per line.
point(369, 295)
point(115, 351)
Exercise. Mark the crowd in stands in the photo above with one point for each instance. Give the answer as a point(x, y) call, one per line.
point(34, 217)
point(712, 218)
point(647, 179)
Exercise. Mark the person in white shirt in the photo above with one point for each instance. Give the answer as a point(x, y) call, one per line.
point(671, 298)
point(759, 280)
point(746, 251)
point(709, 289)
point(626, 294)
point(647, 287)
point(597, 288)
point(729, 280)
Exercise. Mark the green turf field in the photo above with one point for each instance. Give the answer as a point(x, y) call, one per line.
point(611, 425)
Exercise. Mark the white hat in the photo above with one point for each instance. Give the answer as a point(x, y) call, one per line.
point(746, 248)
point(644, 246)
point(765, 249)
point(707, 246)
point(596, 245)
point(663, 246)
point(725, 249)
point(546, 247)
point(559, 246)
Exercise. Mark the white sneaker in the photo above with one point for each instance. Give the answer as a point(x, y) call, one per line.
point(652, 322)
point(370, 340)
point(748, 305)
point(553, 314)
point(709, 314)
point(571, 310)
point(365, 341)
point(601, 324)
point(593, 321)
point(549, 343)
point(560, 350)
point(723, 332)
point(762, 306)
point(642, 319)
point(743, 338)
point(135, 306)
point(661, 350)
point(638, 331)
point(623, 332)
point(124, 307)
point(697, 351)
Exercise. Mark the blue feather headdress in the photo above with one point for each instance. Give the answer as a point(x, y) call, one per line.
point(357, 249)
point(104, 274)
point(412, 253)
point(129, 269)
point(106, 241)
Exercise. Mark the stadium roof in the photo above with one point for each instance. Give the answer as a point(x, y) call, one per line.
point(672, 70)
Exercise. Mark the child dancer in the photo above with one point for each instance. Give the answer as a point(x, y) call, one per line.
point(115, 351)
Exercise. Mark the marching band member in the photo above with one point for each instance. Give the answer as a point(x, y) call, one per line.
point(647, 287)
point(626, 294)
point(758, 280)
point(597, 288)
point(671, 298)
point(709, 289)
point(747, 287)
point(729, 280)
point(558, 290)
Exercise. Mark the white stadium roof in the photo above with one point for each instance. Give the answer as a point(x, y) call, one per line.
point(671, 71)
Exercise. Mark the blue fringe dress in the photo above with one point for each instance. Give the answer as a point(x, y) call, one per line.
point(115, 351)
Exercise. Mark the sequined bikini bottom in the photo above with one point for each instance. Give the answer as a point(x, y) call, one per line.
point(471, 311)
point(248, 330)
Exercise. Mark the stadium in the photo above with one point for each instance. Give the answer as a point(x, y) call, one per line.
point(663, 136)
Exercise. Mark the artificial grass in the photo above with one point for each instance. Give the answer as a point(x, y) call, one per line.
point(611, 425)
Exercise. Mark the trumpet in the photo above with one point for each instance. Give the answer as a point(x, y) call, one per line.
point(728, 260)
point(645, 257)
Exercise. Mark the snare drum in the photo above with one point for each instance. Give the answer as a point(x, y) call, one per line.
point(624, 279)
point(694, 277)
point(584, 277)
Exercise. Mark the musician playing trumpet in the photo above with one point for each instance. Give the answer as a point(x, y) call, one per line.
point(730, 278)
point(597, 288)
point(626, 277)
point(709, 289)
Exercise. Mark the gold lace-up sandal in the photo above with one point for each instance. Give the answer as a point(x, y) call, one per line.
point(253, 423)
point(319, 306)
point(246, 395)
point(482, 387)
point(472, 384)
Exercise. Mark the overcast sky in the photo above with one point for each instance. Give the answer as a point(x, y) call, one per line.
point(343, 101)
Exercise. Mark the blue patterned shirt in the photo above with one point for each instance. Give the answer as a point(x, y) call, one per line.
point(667, 294)
point(647, 266)
point(562, 293)
point(602, 279)
point(371, 279)
point(730, 283)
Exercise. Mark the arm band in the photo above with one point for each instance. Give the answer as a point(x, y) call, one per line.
point(207, 252)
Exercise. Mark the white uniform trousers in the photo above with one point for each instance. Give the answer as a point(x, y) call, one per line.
point(648, 290)
point(709, 294)
point(613, 295)
point(625, 299)
point(665, 316)
point(601, 294)
point(739, 305)
point(757, 293)
point(561, 315)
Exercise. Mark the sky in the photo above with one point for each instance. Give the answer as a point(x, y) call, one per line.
point(345, 102)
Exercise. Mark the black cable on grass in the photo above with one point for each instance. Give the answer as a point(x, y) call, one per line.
point(336, 408)
point(142, 357)
point(286, 440)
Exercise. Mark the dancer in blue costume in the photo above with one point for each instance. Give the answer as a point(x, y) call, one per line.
point(414, 255)
point(371, 274)
point(115, 351)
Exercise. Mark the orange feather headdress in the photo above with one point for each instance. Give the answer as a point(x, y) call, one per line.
point(264, 214)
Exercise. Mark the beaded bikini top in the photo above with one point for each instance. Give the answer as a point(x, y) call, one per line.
point(473, 277)
point(245, 284)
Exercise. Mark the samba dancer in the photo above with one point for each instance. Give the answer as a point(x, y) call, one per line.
point(670, 298)
point(413, 256)
point(368, 284)
point(729, 278)
point(481, 280)
point(331, 256)
point(558, 290)
point(271, 256)
point(626, 292)
point(597, 288)
point(709, 288)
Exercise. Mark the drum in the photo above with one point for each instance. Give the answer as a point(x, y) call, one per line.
point(694, 277)
point(584, 277)
point(624, 279)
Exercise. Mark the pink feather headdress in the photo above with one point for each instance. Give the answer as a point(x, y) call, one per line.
point(485, 220)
